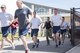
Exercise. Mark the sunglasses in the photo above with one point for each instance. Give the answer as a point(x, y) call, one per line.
point(2, 7)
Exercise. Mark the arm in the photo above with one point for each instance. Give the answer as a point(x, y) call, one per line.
point(15, 17)
point(51, 19)
point(10, 19)
point(16, 24)
point(29, 13)
point(27, 22)
point(44, 25)
point(51, 24)
point(61, 22)
point(40, 21)
point(31, 23)
point(27, 18)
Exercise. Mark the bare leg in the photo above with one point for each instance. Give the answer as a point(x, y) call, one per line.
point(47, 39)
point(12, 38)
point(2, 43)
point(34, 39)
point(55, 38)
point(63, 37)
point(58, 38)
point(23, 38)
point(10, 41)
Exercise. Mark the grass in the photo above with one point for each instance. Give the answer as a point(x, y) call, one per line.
point(16, 36)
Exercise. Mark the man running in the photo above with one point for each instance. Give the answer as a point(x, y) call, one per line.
point(6, 20)
point(35, 23)
point(22, 15)
point(48, 30)
point(64, 26)
point(56, 20)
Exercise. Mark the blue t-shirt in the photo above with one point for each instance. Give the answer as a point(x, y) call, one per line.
point(22, 15)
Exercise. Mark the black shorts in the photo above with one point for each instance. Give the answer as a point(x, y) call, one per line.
point(63, 31)
point(34, 32)
point(5, 31)
point(56, 29)
point(70, 31)
point(23, 31)
point(13, 31)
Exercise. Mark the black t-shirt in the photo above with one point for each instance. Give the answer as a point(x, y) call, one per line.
point(47, 25)
point(21, 14)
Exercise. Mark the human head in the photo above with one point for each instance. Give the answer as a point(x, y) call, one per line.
point(19, 3)
point(63, 18)
point(3, 8)
point(55, 11)
point(48, 18)
point(34, 14)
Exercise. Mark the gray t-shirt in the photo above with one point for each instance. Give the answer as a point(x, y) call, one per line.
point(22, 15)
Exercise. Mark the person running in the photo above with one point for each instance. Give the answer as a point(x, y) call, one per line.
point(64, 26)
point(56, 20)
point(35, 23)
point(48, 30)
point(22, 15)
point(6, 20)
point(14, 26)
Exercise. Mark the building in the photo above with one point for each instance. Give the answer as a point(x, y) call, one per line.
point(46, 11)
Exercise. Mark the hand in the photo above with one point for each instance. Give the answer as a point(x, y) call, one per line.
point(14, 25)
point(62, 26)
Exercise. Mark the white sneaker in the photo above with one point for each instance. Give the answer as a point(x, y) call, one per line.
point(13, 46)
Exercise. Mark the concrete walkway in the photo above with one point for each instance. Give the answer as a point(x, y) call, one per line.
point(75, 49)
point(43, 48)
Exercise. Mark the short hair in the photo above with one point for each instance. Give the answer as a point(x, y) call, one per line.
point(55, 9)
point(48, 17)
point(3, 6)
point(63, 17)
point(34, 12)
point(19, 1)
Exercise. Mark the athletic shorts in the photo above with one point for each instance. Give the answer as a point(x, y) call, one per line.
point(63, 31)
point(56, 29)
point(23, 31)
point(34, 32)
point(48, 32)
point(13, 31)
point(5, 31)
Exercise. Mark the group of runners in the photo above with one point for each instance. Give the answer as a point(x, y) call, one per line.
point(55, 26)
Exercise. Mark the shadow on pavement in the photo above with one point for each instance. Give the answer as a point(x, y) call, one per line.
point(44, 48)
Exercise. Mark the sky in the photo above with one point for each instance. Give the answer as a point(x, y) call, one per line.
point(10, 4)
point(63, 4)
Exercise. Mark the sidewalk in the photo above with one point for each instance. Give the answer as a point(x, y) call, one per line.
point(42, 47)
point(76, 49)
